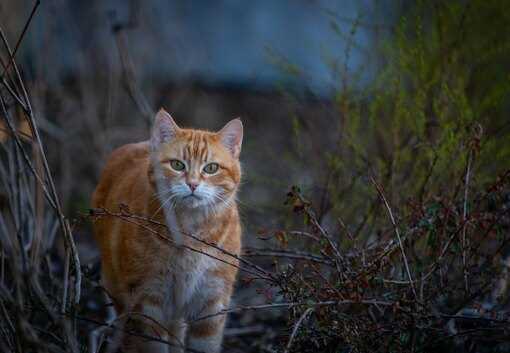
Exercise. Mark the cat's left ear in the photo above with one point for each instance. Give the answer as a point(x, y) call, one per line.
point(232, 136)
point(164, 129)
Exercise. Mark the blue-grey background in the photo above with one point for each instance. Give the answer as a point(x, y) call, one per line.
point(219, 42)
point(98, 69)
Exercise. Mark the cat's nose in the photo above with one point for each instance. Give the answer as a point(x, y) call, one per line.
point(192, 186)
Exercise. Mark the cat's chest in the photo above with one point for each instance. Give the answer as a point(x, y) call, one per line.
point(193, 223)
point(187, 274)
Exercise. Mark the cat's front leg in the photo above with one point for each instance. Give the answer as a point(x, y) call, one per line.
point(152, 334)
point(205, 332)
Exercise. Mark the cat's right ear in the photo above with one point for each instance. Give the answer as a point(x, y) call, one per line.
point(164, 129)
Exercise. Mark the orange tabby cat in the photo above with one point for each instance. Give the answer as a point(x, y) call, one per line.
point(187, 179)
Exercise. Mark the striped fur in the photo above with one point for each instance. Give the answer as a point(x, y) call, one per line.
point(158, 288)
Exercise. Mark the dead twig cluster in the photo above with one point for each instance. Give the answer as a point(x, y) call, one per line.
point(417, 274)
point(31, 287)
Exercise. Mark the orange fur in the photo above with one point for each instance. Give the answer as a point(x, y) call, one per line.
point(148, 275)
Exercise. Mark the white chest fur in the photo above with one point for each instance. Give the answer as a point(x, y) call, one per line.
point(188, 284)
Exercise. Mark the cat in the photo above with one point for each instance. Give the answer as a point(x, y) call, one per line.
point(188, 178)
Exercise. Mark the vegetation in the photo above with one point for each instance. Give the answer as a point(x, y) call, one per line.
point(397, 242)
point(433, 129)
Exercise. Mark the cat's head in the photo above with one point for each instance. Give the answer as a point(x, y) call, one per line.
point(195, 168)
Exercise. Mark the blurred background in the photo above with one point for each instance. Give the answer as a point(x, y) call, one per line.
point(329, 92)
point(99, 69)
point(326, 89)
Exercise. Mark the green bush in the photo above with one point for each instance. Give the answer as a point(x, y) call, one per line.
point(439, 102)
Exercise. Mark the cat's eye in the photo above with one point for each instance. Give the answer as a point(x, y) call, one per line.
point(177, 165)
point(211, 168)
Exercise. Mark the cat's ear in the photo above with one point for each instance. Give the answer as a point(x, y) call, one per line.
point(232, 136)
point(163, 130)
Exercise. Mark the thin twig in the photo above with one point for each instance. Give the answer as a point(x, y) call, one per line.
point(464, 219)
point(296, 327)
point(124, 215)
point(294, 304)
point(130, 218)
point(22, 35)
point(397, 232)
point(298, 255)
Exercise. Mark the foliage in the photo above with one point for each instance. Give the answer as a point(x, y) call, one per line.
point(434, 128)
point(439, 101)
point(363, 299)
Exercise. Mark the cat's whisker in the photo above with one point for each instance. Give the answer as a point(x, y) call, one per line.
point(170, 198)
point(209, 205)
point(158, 195)
point(227, 202)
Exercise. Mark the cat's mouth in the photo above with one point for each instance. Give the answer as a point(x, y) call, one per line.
point(192, 200)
